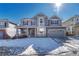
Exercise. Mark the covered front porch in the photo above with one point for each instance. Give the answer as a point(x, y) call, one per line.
point(26, 32)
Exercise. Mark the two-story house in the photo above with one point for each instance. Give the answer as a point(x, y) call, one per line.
point(41, 26)
point(4, 23)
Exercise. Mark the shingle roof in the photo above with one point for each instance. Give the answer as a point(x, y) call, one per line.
point(54, 17)
point(40, 14)
point(71, 18)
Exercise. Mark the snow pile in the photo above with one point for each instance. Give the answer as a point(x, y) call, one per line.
point(29, 51)
point(70, 47)
point(59, 50)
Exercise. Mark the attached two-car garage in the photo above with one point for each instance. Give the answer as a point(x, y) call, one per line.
point(56, 32)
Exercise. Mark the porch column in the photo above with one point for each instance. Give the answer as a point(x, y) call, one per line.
point(35, 31)
point(17, 34)
point(27, 32)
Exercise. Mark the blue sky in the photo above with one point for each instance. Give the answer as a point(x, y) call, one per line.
point(16, 11)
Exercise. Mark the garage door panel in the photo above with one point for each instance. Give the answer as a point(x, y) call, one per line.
point(55, 33)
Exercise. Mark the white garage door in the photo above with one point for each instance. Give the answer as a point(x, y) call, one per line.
point(55, 33)
point(1, 35)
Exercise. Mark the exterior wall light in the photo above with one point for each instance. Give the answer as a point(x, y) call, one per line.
point(41, 29)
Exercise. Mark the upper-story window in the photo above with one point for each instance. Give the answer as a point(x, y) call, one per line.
point(3, 24)
point(54, 22)
point(48, 22)
point(57, 22)
point(77, 19)
point(29, 22)
point(25, 22)
point(33, 22)
point(41, 20)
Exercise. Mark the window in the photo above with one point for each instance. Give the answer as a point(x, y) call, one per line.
point(48, 22)
point(5, 24)
point(23, 30)
point(54, 22)
point(51, 22)
point(77, 19)
point(33, 23)
point(2, 25)
point(25, 23)
point(41, 21)
point(57, 22)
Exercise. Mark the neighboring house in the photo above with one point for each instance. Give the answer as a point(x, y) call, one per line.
point(41, 26)
point(70, 25)
point(4, 23)
point(76, 29)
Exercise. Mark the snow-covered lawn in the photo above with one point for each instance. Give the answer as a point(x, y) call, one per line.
point(40, 42)
point(40, 46)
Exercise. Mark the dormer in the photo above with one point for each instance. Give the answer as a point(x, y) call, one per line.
point(55, 21)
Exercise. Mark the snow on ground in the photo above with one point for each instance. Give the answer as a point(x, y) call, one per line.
point(40, 45)
point(40, 42)
point(70, 47)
